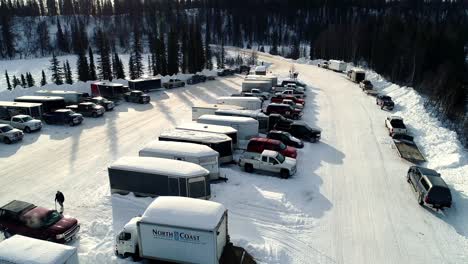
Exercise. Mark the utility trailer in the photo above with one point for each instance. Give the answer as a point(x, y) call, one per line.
point(407, 148)
point(264, 85)
point(255, 114)
point(10, 109)
point(337, 65)
point(49, 103)
point(145, 85)
point(108, 90)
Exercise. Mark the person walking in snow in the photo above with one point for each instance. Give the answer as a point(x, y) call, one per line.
point(59, 198)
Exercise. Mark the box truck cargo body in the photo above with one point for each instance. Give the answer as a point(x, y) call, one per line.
point(190, 152)
point(220, 143)
point(146, 176)
point(48, 103)
point(224, 130)
point(70, 97)
point(209, 109)
point(249, 103)
point(262, 85)
point(177, 229)
point(336, 65)
point(10, 109)
point(25, 250)
point(255, 114)
point(246, 127)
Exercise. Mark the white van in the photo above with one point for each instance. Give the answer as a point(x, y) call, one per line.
point(190, 152)
point(210, 109)
point(249, 103)
point(246, 127)
point(225, 130)
point(25, 250)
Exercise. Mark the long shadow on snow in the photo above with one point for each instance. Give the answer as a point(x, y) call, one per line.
point(456, 215)
point(8, 150)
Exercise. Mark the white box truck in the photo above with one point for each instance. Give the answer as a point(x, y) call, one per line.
point(262, 85)
point(246, 127)
point(210, 109)
point(25, 250)
point(190, 152)
point(225, 130)
point(249, 103)
point(337, 65)
point(176, 229)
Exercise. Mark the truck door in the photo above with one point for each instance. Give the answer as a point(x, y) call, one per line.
point(173, 187)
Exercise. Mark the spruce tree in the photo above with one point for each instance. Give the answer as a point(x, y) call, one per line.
point(209, 63)
point(44, 79)
point(68, 73)
point(222, 56)
point(117, 67)
point(162, 54)
point(82, 67)
point(16, 82)
point(8, 38)
point(105, 67)
point(172, 53)
point(62, 42)
point(57, 73)
point(137, 54)
point(131, 68)
point(30, 80)
point(8, 81)
point(92, 68)
point(23, 81)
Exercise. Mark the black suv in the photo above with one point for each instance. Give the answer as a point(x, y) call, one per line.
point(196, 78)
point(136, 96)
point(286, 138)
point(429, 187)
point(298, 129)
point(63, 116)
point(108, 105)
point(385, 101)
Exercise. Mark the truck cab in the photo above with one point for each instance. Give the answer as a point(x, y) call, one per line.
point(395, 125)
point(107, 104)
point(173, 83)
point(292, 92)
point(136, 96)
point(88, 109)
point(126, 242)
point(24, 122)
point(63, 116)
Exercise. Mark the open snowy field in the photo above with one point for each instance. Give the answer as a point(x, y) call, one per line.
point(348, 203)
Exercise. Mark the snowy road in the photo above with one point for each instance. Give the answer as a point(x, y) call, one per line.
point(348, 203)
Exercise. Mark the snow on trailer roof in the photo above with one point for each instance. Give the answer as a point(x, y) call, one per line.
point(179, 148)
point(56, 92)
point(108, 84)
point(143, 80)
point(20, 104)
point(21, 249)
point(256, 80)
point(39, 97)
point(207, 128)
point(218, 106)
point(174, 168)
point(246, 113)
point(260, 69)
point(195, 135)
point(237, 119)
point(184, 212)
point(239, 98)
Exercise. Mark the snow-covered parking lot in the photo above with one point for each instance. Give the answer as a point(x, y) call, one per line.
point(348, 203)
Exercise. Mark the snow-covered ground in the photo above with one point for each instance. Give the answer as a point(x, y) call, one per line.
point(348, 203)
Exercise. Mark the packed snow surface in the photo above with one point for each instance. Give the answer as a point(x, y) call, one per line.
point(177, 148)
point(169, 167)
point(184, 212)
point(21, 249)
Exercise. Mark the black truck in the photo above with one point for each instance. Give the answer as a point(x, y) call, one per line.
point(298, 129)
point(63, 116)
point(107, 104)
point(137, 97)
point(88, 109)
point(145, 85)
point(385, 101)
point(196, 78)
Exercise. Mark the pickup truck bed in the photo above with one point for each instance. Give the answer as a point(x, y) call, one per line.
point(408, 150)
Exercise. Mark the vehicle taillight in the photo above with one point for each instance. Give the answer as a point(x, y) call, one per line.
point(426, 200)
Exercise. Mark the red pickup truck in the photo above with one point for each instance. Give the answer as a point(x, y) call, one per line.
point(279, 99)
point(22, 218)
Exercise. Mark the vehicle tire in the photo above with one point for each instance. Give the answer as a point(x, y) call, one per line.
point(420, 200)
point(27, 130)
point(248, 167)
point(7, 140)
point(94, 114)
point(136, 256)
point(408, 178)
point(284, 174)
point(71, 123)
point(126, 99)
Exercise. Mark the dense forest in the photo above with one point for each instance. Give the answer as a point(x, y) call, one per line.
point(419, 43)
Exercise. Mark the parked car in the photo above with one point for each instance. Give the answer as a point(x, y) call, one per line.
point(286, 138)
point(395, 125)
point(210, 78)
point(107, 104)
point(173, 83)
point(259, 144)
point(430, 188)
point(8, 134)
point(26, 219)
point(259, 93)
point(284, 110)
point(323, 65)
point(278, 98)
point(196, 78)
point(298, 129)
point(293, 81)
point(289, 86)
point(291, 92)
point(63, 116)
point(23, 122)
point(293, 104)
point(385, 101)
point(225, 72)
point(268, 161)
point(366, 85)
point(88, 109)
point(136, 96)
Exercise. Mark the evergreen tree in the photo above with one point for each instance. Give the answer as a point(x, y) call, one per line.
point(42, 8)
point(44, 79)
point(92, 68)
point(8, 80)
point(62, 41)
point(68, 73)
point(131, 68)
point(8, 38)
point(161, 60)
point(30, 80)
point(82, 67)
point(137, 58)
point(209, 63)
point(57, 71)
point(43, 37)
point(172, 53)
point(117, 67)
point(52, 9)
point(16, 82)
point(311, 50)
point(222, 56)
point(23, 81)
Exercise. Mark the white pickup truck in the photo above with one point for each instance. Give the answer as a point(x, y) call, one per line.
point(288, 87)
point(23, 122)
point(295, 93)
point(268, 161)
point(395, 125)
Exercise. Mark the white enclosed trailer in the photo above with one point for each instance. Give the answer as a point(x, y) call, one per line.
point(210, 109)
point(262, 85)
point(249, 103)
point(255, 114)
point(337, 65)
point(246, 127)
point(260, 70)
point(190, 152)
point(25, 250)
point(225, 130)
point(268, 77)
point(177, 229)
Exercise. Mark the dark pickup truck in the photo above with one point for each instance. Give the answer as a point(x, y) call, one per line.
point(63, 116)
point(88, 109)
point(298, 129)
point(108, 105)
point(196, 78)
point(385, 101)
point(137, 97)
point(26, 219)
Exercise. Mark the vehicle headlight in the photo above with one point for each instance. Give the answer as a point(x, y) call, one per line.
point(60, 236)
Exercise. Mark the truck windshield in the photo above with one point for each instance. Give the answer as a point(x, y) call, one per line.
point(27, 119)
point(397, 123)
point(6, 128)
point(51, 218)
point(280, 158)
